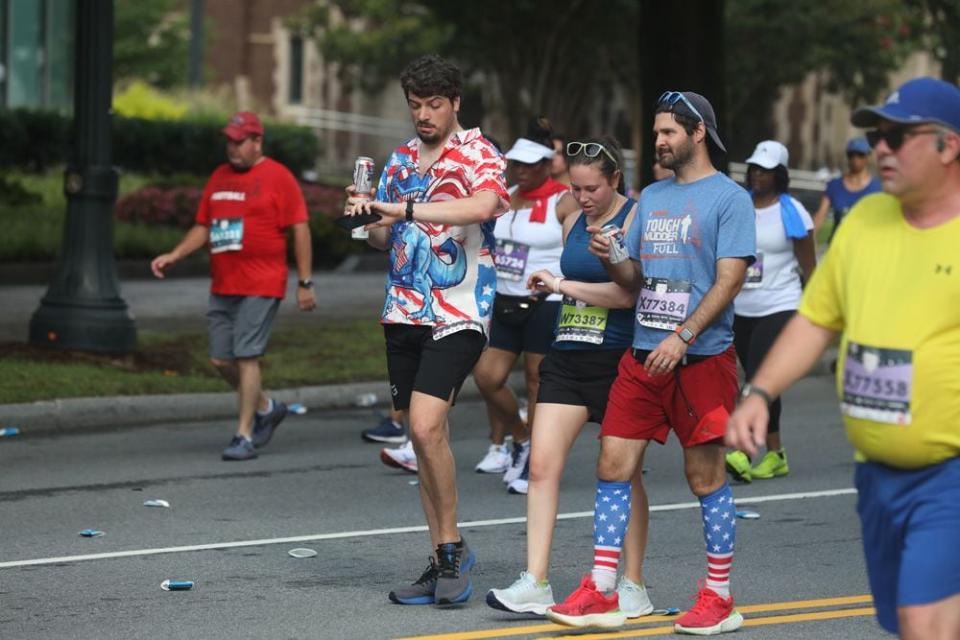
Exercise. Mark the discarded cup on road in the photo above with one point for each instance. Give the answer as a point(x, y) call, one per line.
point(9, 431)
point(669, 611)
point(748, 515)
point(302, 553)
point(297, 408)
point(176, 585)
point(365, 400)
point(157, 503)
point(91, 533)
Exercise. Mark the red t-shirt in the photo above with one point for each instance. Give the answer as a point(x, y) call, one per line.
point(247, 213)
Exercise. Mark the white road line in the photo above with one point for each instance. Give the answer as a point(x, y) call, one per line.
point(676, 506)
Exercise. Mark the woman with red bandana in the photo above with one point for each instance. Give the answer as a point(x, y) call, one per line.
point(529, 238)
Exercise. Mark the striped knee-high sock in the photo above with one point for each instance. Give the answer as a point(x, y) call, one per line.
point(610, 518)
point(719, 533)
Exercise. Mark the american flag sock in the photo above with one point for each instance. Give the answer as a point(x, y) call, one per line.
point(719, 532)
point(610, 517)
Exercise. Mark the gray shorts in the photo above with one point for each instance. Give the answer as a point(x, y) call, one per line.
point(239, 326)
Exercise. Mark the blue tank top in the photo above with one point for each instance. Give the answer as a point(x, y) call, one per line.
point(577, 263)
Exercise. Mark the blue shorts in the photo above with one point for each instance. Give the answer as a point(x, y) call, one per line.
point(911, 528)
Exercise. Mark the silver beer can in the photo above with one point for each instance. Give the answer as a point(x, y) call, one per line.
point(618, 250)
point(363, 169)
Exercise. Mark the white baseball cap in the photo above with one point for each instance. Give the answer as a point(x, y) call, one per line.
point(769, 154)
point(528, 151)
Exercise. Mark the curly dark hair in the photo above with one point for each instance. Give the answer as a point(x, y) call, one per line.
point(431, 75)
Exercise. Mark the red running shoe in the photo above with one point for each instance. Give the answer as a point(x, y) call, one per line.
point(712, 614)
point(587, 607)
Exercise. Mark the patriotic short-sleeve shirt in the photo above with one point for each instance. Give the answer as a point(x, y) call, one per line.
point(442, 275)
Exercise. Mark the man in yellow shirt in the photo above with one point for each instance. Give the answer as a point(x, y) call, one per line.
point(890, 286)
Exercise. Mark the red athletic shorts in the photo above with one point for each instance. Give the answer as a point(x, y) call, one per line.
point(695, 400)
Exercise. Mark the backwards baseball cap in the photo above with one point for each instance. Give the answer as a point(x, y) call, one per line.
point(242, 125)
point(693, 104)
point(769, 154)
point(859, 145)
point(916, 101)
point(528, 151)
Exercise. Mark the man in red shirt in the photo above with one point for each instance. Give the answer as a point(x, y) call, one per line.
point(247, 206)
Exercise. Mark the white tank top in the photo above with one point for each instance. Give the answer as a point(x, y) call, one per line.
point(524, 247)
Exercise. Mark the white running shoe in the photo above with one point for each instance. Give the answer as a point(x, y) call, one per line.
point(634, 600)
point(401, 457)
point(497, 460)
point(519, 456)
point(526, 595)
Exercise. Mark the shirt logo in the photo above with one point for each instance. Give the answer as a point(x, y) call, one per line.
point(894, 98)
point(945, 269)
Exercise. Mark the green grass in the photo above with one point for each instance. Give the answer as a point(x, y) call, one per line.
point(346, 350)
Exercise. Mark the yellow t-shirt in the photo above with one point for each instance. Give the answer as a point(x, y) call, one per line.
point(894, 293)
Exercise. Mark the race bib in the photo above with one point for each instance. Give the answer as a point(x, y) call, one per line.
point(511, 259)
point(877, 384)
point(663, 303)
point(581, 322)
point(754, 273)
point(226, 234)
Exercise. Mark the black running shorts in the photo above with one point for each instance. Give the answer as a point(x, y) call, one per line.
point(580, 377)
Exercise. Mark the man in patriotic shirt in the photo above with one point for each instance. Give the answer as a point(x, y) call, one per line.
point(438, 197)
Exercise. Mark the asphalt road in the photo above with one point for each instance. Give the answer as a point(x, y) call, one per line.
point(317, 478)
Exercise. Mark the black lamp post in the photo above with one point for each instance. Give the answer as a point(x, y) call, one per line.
point(83, 309)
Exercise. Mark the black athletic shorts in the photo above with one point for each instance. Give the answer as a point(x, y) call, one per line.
point(533, 334)
point(417, 362)
point(580, 377)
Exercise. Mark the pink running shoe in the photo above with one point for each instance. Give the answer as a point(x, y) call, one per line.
point(712, 614)
point(587, 607)
point(401, 457)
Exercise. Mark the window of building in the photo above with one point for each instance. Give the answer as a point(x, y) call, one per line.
point(295, 94)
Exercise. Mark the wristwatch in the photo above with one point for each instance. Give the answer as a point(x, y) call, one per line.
point(753, 390)
point(685, 334)
point(305, 284)
point(409, 210)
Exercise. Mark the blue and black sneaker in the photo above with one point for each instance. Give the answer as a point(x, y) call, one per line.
point(239, 449)
point(264, 426)
point(455, 560)
point(386, 431)
point(421, 591)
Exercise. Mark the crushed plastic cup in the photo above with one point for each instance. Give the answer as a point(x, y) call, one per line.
point(297, 408)
point(176, 585)
point(301, 553)
point(157, 503)
point(748, 515)
point(365, 400)
point(91, 533)
point(669, 611)
point(9, 431)
point(413, 483)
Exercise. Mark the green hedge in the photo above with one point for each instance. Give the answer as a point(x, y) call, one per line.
point(40, 140)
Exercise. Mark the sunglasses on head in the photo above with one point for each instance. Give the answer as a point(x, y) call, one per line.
point(589, 149)
point(671, 98)
point(894, 137)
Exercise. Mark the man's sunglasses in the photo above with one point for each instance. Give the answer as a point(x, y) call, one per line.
point(671, 98)
point(590, 149)
point(895, 137)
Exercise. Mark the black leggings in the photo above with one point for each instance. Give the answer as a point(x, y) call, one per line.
point(752, 338)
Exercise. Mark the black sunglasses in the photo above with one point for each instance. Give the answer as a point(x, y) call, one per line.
point(894, 137)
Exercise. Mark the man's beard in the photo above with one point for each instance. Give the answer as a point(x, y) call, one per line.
point(679, 156)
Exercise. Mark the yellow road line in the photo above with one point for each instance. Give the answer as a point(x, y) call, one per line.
point(504, 632)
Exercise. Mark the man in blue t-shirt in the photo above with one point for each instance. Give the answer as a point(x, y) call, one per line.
point(843, 192)
point(690, 245)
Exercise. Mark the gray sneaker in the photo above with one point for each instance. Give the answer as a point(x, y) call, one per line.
point(240, 449)
point(526, 595)
point(453, 573)
point(421, 591)
point(634, 600)
point(264, 426)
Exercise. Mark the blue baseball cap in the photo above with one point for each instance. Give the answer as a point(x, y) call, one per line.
point(859, 145)
point(915, 102)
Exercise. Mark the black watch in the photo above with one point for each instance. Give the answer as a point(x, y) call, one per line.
point(305, 284)
point(409, 210)
point(753, 390)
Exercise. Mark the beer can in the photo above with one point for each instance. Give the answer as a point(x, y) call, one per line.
point(363, 170)
point(618, 250)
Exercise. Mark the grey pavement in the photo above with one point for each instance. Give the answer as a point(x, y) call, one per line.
point(229, 526)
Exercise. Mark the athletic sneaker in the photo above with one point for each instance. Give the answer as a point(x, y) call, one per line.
point(453, 573)
point(497, 460)
point(738, 465)
point(587, 607)
point(401, 457)
point(519, 486)
point(518, 459)
point(526, 595)
point(239, 449)
point(634, 601)
point(264, 426)
point(386, 431)
point(421, 591)
point(712, 614)
point(773, 464)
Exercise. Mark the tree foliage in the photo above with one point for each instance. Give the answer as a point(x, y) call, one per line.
point(151, 42)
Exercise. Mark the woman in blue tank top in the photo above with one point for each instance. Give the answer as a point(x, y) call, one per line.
point(593, 329)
